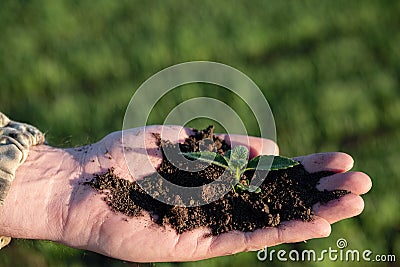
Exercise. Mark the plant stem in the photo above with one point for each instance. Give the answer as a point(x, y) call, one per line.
point(237, 176)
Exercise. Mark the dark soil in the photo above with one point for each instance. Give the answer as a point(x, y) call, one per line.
point(285, 194)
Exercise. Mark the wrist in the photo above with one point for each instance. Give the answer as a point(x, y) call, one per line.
point(39, 196)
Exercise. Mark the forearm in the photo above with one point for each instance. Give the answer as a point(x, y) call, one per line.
point(39, 196)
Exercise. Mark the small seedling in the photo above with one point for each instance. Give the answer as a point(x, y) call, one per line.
point(236, 161)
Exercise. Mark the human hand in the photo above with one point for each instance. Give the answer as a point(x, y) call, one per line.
point(60, 208)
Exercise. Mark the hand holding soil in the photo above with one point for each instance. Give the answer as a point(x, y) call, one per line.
point(50, 199)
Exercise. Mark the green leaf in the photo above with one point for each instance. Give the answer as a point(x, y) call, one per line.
point(263, 163)
point(207, 156)
point(240, 186)
point(227, 155)
point(249, 188)
point(254, 189)
point(238, 157)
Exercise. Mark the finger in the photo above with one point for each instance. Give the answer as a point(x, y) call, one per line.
point(4, 120)
point(335, 210)
point(256, 145)
point(356, 182)
point(172, 133)
point(287, 232)
point(329, 161)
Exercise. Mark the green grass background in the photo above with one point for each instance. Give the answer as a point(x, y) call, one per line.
point(329, 69)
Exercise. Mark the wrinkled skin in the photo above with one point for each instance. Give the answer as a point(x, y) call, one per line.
point(48, 201)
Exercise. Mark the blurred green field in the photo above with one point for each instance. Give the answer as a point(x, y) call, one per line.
point(330, 70)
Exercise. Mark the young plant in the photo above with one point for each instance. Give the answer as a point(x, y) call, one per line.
point(236, 161)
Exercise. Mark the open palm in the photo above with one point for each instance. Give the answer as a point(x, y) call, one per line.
point(85, 221)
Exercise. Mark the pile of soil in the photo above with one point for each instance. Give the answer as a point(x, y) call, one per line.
point(287, 194)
